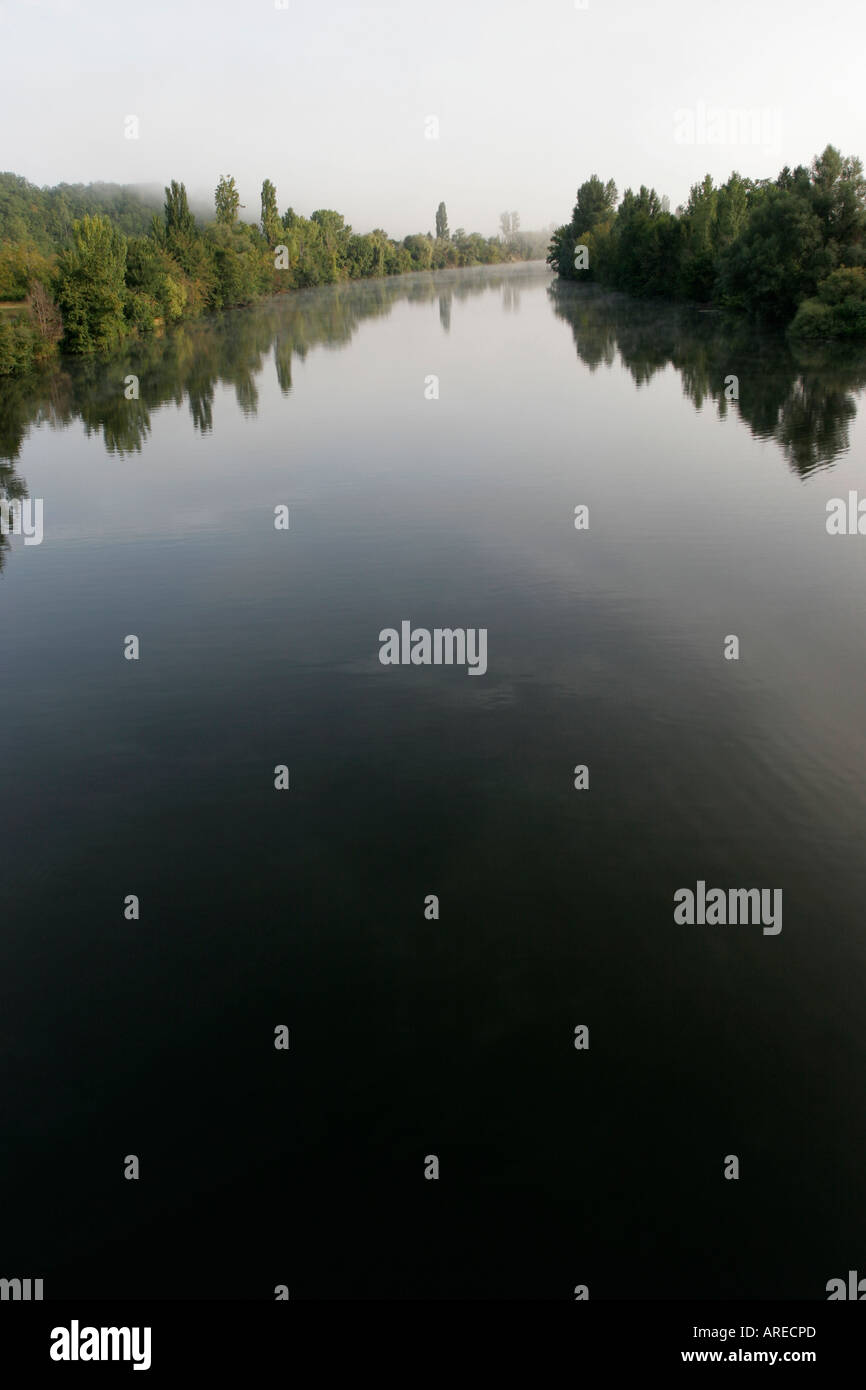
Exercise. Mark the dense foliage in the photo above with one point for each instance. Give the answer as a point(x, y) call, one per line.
point(43, 217)
point(791, 249)
point(88, 267)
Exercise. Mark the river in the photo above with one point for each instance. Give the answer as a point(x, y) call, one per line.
point(429, 439)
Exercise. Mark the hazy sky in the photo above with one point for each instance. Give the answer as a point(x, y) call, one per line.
point(331, 101)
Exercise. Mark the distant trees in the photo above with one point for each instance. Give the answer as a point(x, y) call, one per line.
point(509, 223)
point(107, 283)
point(43, 217)
point(766, 246)
point(523, 246)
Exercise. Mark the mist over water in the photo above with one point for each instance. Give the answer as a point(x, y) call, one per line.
point(454, 1037)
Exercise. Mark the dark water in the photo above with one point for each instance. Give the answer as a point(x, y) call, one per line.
point(453, 1037)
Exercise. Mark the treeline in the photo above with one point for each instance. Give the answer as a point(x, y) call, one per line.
point(43, 217)
point(790, 249)
point(86, 283)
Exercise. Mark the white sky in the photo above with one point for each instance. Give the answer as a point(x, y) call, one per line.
point(330, 100)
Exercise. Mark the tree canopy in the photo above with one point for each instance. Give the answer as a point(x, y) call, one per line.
point(768, 246)
point(97, 265)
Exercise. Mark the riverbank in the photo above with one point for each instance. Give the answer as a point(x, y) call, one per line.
point(790, 251)
point(92, 287)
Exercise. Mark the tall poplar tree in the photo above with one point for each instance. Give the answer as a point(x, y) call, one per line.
point(271, 225)
point(227, 201)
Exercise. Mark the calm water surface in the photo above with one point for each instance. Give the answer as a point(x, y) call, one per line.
point(411, 1037)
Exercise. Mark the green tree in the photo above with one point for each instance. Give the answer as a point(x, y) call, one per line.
point(777, 259)
point(420, 249)
point(156, 284)
point(271, 226)
point(732, 210)
point(698, 224)
point(594, 211)
point(645, 245)
point(441, 223)
point(838, 311)
point(91, 289)
point(596, 203)
point(838, 195)
point(335, 239)
point(179, 221)
point(227, 201)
